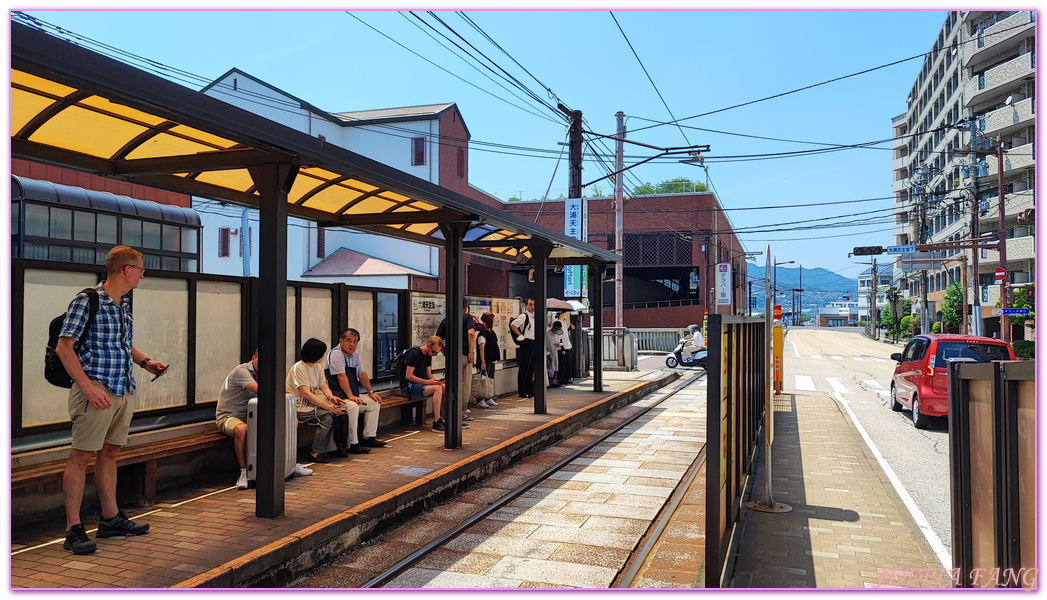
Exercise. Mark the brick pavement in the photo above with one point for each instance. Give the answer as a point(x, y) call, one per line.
point(210, 536)
point(848, 527)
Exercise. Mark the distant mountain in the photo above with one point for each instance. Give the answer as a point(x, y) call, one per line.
point(820, 286)
point(814, 280)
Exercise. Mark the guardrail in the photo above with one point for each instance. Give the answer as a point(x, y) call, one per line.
point(992, 473)
point(619, 346)
point(735, 409)
point(658, 339)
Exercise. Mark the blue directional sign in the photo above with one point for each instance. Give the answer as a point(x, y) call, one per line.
point(1010, 311)
point(899, 249)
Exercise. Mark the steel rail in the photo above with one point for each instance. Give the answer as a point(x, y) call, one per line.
point(655, 533)
point(422, 552)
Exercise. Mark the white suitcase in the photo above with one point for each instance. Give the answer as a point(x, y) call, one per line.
point(291, 441)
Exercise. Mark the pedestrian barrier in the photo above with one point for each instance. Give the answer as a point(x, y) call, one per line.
point(992, 472)
point(735, 409)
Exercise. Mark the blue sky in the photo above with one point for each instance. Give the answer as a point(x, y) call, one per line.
point(700, 61)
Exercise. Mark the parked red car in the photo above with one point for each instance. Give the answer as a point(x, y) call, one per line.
point(920, 379)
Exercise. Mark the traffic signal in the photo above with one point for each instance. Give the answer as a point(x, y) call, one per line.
point(867, 250)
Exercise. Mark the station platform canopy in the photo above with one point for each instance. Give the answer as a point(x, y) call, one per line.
point(76, 108)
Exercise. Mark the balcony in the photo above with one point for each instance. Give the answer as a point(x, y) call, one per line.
point(1009, 117)
point(1020, 157)
point(1021, 248)
point(1000, 36)
point(999, 79)
point(1015, 202)
point(900, 185)
point(899, 163)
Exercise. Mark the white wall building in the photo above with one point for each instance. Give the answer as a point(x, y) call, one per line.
point(408, 139)
point(977, 84)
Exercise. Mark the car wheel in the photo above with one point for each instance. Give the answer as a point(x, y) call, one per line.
point(671, 362)
point(919, 420)
point(895, 405)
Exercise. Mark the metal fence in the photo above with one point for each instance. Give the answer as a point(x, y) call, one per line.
point(658, 340)
point(735, 409)
point(992, 473)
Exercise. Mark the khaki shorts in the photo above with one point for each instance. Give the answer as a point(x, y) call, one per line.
point(92, 427)
point(229, 424)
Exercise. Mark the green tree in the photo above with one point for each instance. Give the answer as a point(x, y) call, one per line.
point(893, 295)
point(1025, 297)
point(676, 185)
point(951, 309)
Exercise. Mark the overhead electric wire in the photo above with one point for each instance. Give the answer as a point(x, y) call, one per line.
point(649, 78)
point(505, 75)
point(456, 76)
point(833, 80)
point(468, 20)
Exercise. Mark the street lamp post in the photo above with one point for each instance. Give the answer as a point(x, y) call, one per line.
point(776, 263)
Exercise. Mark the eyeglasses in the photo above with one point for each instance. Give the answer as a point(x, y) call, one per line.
point(140, 269)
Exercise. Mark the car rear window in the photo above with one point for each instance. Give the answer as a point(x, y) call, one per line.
point(979, 352)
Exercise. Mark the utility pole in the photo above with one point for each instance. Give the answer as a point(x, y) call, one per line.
point(963, 291)
point(872, 303)
point(574, 155)
point(619, 200)
point(976, 300)
point(1005, 321)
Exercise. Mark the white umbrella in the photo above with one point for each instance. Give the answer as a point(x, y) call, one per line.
point(557, 304)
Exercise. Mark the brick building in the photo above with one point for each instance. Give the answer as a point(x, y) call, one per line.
point(672, 244)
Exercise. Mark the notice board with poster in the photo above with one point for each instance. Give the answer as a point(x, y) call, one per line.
point(504, 311)
point(427, 312)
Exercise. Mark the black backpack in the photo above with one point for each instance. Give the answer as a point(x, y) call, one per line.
point(54, 370)
point(518, 338)
point(397, 364)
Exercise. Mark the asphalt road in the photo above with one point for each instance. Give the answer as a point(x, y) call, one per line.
point(858, 371)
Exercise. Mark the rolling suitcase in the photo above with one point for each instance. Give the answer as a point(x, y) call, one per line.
point(290, 441)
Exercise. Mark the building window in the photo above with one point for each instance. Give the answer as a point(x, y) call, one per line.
point(321, 242)
point(461, 162)
point(417, 151)
point(223, 241)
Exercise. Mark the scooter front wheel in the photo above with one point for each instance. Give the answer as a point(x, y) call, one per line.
point(671, 362)
point(703, 363)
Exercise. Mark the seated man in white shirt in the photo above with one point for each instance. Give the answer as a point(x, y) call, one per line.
point(345, 376)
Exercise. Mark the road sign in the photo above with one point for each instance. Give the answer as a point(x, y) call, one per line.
point(1010, 311)
point(900, 249)
point(1001, 274)
point(778, 311)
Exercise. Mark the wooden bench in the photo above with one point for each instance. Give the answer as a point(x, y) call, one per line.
point(406, 408)
point(136, 482)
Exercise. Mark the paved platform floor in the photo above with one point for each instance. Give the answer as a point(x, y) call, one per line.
point(200, 536)
point(848, 527)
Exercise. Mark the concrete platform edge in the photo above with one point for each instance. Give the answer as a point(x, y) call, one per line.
point(284, 560)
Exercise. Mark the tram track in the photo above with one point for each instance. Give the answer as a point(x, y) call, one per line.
point(638, 557)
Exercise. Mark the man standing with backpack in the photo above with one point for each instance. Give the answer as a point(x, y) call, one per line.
point(101, 401)
point(523, 328)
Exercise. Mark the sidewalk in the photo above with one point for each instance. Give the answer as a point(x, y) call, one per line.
point(848, 527)
point(210, 537)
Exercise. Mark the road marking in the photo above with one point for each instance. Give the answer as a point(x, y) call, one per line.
point(880, 359)
point(849, 348)
point(837, 358)
point(790, 346)
point(818, 356)
point(838, 385)
point(805, 383)
point(876, 387)
point(921, 521)
point(858, 358)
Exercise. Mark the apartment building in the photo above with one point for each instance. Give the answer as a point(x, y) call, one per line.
point(975, 89)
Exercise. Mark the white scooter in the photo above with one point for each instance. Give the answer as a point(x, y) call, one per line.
point(675, 358)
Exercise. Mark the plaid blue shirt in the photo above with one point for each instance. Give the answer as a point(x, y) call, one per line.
point(105, 352)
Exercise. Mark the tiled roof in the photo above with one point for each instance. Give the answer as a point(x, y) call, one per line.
point(349, 263)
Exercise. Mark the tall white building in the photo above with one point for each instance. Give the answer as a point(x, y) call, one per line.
point(977, 85)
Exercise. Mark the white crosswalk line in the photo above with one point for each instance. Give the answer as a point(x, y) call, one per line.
point(818, 356)
point(838, 385)
point(805, 383)
point(837, 358)
point(858, 358)
point(876, 386)
point(880, 359)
